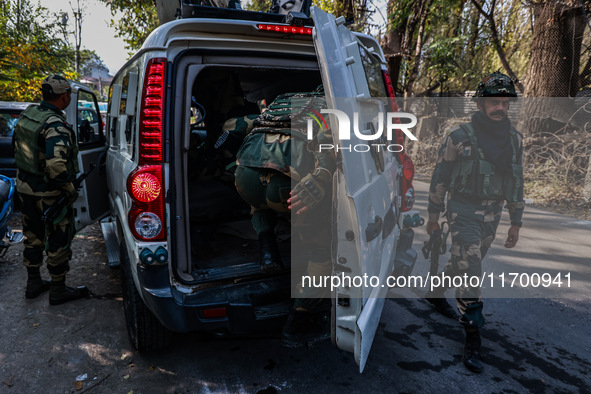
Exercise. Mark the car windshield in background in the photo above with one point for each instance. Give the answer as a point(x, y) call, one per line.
point(9, 114)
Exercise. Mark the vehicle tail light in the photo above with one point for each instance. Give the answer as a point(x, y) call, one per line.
point(408, 168)
point(408, 174)
point(145, 186)
point(286, 29)
point(151, 129)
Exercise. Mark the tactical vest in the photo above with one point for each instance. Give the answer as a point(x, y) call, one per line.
point(474, 176)
point(28, 144)
point(285, 120)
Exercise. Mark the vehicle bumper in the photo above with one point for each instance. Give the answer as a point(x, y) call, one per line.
point(257, 305)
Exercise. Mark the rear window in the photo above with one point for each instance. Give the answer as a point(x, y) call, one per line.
point(373, 73)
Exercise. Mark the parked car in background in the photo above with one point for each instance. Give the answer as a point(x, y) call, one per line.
point(9, 114)
point(88, 124)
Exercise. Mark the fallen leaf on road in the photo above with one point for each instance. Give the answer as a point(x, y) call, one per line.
point(152, 367)
point(126, 377)
point(8, 381)
point(36, 324)
point(78, 385)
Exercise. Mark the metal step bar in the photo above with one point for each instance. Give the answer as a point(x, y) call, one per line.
point(109, 227)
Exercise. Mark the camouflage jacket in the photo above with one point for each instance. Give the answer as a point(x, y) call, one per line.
point(450, 152)
point(278, 140)
point(59, 160)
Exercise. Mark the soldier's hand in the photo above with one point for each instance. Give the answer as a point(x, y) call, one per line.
point(309, 191)
point(432, 226)
point(512, 237)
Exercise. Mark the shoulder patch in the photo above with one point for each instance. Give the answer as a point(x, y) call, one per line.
point(459, 135)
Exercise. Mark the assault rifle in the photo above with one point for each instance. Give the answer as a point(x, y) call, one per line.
point(55, 210)
point(435, 247)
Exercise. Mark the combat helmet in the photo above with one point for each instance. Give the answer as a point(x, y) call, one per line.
point(495, 85)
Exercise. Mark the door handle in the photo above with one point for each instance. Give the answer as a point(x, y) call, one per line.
point(374, 229)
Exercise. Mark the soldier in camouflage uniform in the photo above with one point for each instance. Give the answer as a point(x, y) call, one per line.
point(275, 154)
point(46, 153)
point(479, 166)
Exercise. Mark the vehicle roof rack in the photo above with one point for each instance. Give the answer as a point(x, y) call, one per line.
point(189, 10)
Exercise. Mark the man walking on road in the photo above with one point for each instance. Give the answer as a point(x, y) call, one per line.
point(46, 156)
point(479, 166)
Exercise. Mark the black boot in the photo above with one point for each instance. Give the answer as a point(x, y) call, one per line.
point(60, 293)
point(270, 259)
point(472, 357)
point(437, 299)
point(305, 328)
point(35, 285)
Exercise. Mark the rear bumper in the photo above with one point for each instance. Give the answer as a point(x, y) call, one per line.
point(258, 305)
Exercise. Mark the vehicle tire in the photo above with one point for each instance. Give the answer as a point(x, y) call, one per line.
point(143, 328)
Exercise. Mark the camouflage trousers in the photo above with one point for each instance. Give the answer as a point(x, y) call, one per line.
point(267, 192)
point(54, 239)
point(471, 239)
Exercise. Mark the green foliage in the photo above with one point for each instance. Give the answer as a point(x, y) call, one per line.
point(138, 19)
point(457, 45)
point(29, 50)
point(258, 5)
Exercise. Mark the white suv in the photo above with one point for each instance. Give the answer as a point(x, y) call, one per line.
point(182, 235)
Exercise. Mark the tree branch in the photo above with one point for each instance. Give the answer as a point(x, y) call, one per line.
point(496, 41)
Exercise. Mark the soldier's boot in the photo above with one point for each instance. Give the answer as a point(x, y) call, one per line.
point(270, 258)
point(306, 327)
point(437, 299)
point(35, 285)
point(472, 357)
point(60, 293)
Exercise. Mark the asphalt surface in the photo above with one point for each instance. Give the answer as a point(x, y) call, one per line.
point(536, 344)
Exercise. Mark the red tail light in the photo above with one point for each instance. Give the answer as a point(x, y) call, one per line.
point(408, 174)
point(408, 168)
point(151, 133)
point(145, 186)
point(285, 29)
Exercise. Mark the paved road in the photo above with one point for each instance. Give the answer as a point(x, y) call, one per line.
point(530, 344)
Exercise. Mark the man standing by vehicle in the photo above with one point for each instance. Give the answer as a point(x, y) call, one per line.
point(480, 166)
point(46, 154)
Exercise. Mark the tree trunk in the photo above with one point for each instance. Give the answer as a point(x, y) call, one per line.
point(416, 61)
point(556, 50)
point(392, 47)
point(554, 66)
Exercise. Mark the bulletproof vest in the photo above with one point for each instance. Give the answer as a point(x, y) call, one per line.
point(474, 176)
point(28, 143)
point(285, 120)
point(287, 114)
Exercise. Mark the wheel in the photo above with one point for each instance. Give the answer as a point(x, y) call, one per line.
point(143, 328)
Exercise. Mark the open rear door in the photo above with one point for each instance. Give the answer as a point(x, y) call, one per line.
point(84, 115)
point(366, 183)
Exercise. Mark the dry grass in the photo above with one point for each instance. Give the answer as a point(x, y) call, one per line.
point(554, 170)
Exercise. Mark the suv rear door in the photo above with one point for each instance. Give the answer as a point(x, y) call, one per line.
point(366, 188)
